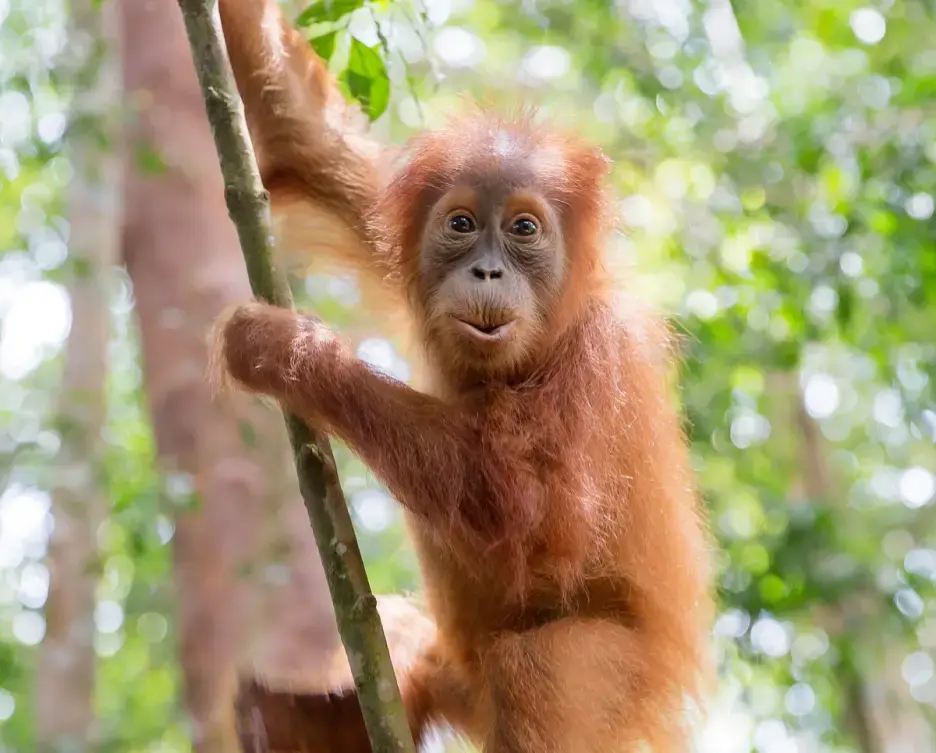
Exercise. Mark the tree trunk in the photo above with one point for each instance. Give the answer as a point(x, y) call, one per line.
point(250, 585)
point(878, 708)
point(65, 676)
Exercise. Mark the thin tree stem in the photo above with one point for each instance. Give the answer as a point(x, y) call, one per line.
point(355, 605)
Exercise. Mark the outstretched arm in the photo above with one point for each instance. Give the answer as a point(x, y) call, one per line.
point(414, 443)
point(319, 167)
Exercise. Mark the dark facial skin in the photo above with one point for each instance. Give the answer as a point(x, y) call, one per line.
point(491, 265)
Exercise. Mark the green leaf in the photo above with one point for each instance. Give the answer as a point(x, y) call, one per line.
point(148, 160)
point(846, 306)
point(327, 11)
point(248, 434)
point(366, 79)
point(82, 269)
point(324, 45)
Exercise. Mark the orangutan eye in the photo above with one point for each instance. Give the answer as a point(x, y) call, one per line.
point(461, 223)
point(524, 226)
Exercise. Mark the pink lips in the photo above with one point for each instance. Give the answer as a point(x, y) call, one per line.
point(486, 333)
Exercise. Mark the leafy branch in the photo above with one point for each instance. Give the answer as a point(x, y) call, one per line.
point(355, 605)
point(364, 77)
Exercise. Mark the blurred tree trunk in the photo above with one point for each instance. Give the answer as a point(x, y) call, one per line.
point(879, 709)
point(820, 487)
point(877, 706)
point(65, 677)
point(250, 586)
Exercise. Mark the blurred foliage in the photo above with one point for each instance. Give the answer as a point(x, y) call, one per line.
point(776, 170)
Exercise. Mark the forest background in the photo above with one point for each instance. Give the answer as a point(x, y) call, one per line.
point(775, 164)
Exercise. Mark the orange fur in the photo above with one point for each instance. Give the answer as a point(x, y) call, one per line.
point(553, 509)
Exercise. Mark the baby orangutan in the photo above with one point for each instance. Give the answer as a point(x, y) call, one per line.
point(543, 471)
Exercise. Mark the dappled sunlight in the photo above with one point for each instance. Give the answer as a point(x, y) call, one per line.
point(774, 181)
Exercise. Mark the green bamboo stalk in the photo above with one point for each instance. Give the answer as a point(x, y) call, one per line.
point(247, 201)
